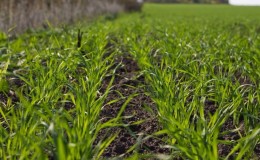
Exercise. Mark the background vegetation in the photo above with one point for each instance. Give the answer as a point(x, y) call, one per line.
point(188, 1)
point(19, 15)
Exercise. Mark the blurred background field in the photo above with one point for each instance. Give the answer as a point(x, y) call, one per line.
point(25, 14)
point(20, 15)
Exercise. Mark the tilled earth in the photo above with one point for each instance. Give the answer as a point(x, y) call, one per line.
point(140, 109)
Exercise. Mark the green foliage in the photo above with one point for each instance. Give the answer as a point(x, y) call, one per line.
point(188, 1)
point(193, 58)
point(3, 82)
point(194, 61)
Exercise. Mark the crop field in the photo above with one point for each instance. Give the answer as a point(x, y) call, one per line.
point(171, 82)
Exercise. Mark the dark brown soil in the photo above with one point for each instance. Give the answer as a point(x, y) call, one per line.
point(140, 109)
point(10, 95)
point(4, 96)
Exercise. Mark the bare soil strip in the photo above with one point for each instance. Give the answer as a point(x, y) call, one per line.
point(128, 82)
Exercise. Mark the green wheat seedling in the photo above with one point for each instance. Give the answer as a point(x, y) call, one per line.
point(199, 65)
point(39, 125)
point(184, 80)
